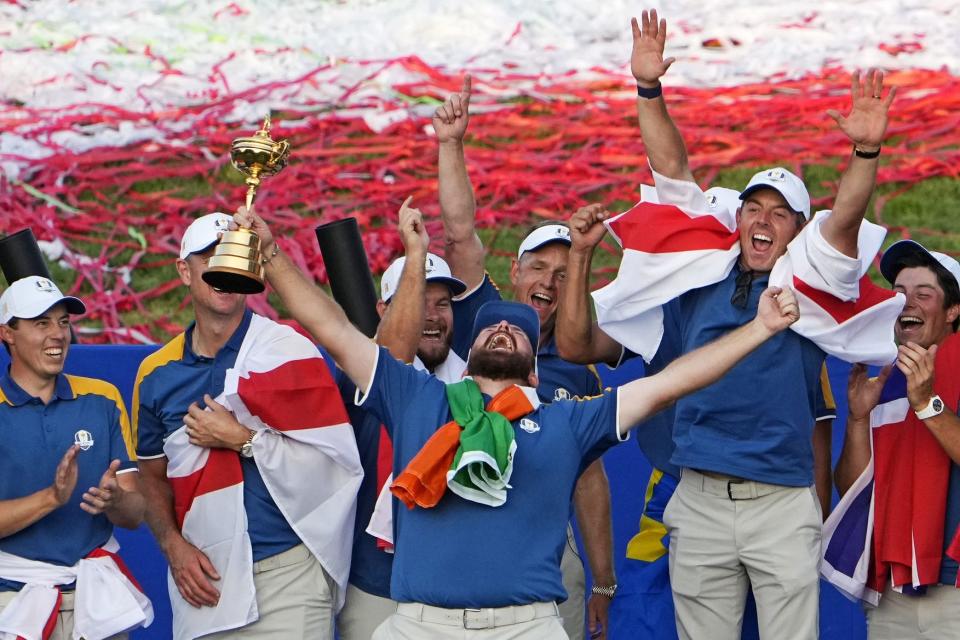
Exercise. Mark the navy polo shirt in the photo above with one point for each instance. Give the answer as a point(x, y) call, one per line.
point(33, 438)
point(756, 422)
point(464, 554)
point(168, 382)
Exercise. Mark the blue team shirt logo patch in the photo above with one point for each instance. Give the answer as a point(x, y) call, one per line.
point(83, 439)
point(529, 425)
point(561, 394)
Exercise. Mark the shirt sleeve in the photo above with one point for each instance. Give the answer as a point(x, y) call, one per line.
point(593, 422)
point(465, 310)
point(120, 425)
point(826, 405)
point(396, 386)
point(148, 426)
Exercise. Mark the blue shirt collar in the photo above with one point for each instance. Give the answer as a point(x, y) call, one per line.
point(16, 396)
point(548, 348)
point(233, 344)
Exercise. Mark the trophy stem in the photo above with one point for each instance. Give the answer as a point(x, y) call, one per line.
point(253, 181)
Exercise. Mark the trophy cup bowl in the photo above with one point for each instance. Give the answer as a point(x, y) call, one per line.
point(236, 265)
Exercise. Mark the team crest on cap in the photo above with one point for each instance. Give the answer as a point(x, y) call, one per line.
point(83, 439)
point(561, 394)
point(712, 201)
point(529, 425)
point(222, 224)
point(777, 174)
point(562, 232)
point(430, 266)
point(44, 285)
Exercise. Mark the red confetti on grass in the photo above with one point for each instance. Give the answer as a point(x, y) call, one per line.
point(569, 143)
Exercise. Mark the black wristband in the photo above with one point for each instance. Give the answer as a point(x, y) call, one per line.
point(650, 93)
point(866, 155)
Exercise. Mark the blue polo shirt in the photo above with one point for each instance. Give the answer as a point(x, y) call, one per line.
point(464, 554)
point(33, 438)
point(168, 382)
point(757, 421)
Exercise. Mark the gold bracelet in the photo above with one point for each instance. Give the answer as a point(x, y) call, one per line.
point(276, 250)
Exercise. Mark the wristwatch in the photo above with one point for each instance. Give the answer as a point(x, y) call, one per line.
point(246, 449)
point(933, 408)
point(605, 591)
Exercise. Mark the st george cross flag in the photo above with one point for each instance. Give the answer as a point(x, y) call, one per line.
point(306, 453)
point(687, 242)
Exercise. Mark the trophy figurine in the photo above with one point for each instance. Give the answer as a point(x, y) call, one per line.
point(236, 266)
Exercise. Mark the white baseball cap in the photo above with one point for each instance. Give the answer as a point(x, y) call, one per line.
point(889, 263)
point(786, 184)
point(437, 270)
point(203, 233)
point(30, 297)
point(544, 235)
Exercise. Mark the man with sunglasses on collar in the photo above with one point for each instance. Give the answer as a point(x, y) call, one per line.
point(745, 513)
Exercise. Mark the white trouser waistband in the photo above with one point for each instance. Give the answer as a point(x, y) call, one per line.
point(718, 484)
point(478, 618)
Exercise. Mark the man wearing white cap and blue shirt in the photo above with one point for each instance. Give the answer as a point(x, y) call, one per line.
point(417, 326)
point(537, 274)
point(294, 591)
point(66, 480)
point(745, 514)
point(903, 426)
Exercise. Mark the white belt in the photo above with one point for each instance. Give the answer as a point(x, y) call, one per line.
point(478, 618)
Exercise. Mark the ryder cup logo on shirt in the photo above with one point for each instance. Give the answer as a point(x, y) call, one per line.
point(83, 439)
point(561, 394)
point(529, 425)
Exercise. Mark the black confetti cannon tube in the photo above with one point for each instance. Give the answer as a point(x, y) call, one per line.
point(20, 257)
point(349, 273)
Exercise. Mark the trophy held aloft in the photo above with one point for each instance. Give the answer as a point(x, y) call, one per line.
point(236, 265)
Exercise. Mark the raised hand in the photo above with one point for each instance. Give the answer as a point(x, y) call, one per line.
point(192, 572)
point(216, 428)
point(866, 124)
point(248, 219)
point(65, 477)
point(413, 232)
point(778, 309)
point(102, 498)
point(916, 363)
point(863, 392)
point(451, 118)
point(646, 59)
point(586, 227)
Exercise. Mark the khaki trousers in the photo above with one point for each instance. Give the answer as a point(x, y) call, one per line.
point(414, 621)
point(573, 609)
point(726, 535)
point(934, 616)
point(295, 598)
point(362, 613)
point(64, 628)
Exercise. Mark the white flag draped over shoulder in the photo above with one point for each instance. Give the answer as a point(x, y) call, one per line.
point(306, 453)
point(669, 249)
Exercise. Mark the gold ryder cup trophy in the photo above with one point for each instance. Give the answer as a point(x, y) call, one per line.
point(236, 266)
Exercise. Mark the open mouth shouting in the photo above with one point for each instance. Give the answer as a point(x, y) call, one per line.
point(54, 353)
point(501, 341)
point(541, 301)
point(910, 325)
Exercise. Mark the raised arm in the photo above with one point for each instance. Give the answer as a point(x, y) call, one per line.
point(642, 398)
point(661, 138)
point(863, 394)
point(463, 248)
point(402, 323)
point(579, 339)
point(313, 309)
point(865, 126)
